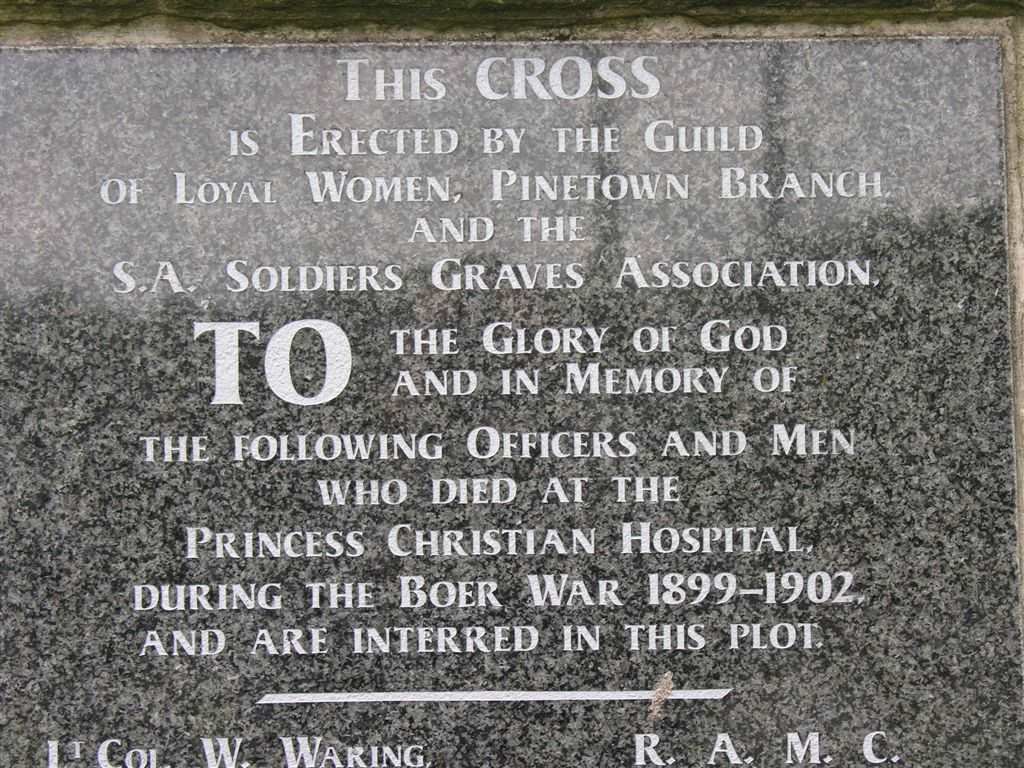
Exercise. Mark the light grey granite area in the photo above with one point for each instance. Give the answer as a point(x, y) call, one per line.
point(874, 243)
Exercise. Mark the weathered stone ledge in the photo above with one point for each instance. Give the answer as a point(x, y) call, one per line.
point(497, 15)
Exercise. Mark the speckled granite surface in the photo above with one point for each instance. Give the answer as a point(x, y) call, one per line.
point(914, 365)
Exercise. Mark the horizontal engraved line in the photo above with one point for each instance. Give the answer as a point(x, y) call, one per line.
point(441, 697)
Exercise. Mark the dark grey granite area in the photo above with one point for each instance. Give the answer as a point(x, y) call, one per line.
point(905, 365)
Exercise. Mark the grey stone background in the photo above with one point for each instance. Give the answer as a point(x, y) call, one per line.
point(918, 366)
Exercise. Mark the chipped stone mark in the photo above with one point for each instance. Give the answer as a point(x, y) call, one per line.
point(659, 696)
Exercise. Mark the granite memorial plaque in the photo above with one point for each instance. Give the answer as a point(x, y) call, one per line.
point(586, 404)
